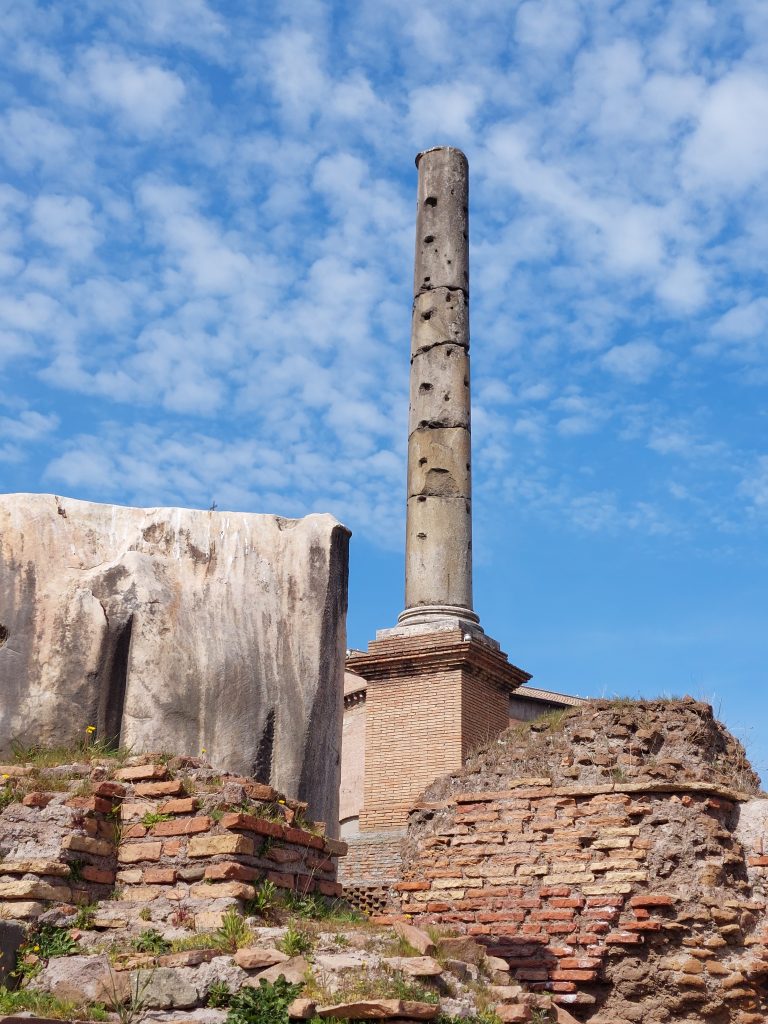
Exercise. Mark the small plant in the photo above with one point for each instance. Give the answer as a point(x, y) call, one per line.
point(130, 1009)
point(182, 918)
point(52, 942)
point(267, 1004)
point(217, 813)
point(219, 995)
point(76, 870)
point(84, 917)
point(42, 1004)
point(151, 941)
point(264, 900)
point(153, 818)
point(145, 914)
point(295, 942)
point(234, 931)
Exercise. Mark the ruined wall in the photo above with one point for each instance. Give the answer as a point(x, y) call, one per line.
point(177, 630)
point(154, 840)
point(612, 855)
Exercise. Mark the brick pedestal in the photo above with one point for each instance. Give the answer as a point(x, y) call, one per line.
point(432, 699)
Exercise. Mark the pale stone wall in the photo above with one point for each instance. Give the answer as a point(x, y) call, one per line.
point(352, 755)
point(181, 630)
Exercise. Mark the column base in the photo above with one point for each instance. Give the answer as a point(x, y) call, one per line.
point(437, 618)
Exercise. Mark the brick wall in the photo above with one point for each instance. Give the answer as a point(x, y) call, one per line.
point(431, 698)
point(627, 903)
point(178, 839)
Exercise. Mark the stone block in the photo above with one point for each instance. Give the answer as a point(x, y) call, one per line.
point(142, 773)
point(182, 826)
point(211, 846)
point(132, 853)
point(215, 890)
point(85, 844)
point(161, 582)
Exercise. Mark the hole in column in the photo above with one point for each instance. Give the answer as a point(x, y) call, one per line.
point(429, 238)
point(423, 423)
point(449, 262)
point(430, 201)
point(447, 396)
point(423, 461)
point(468, 467)
point(3, 635)
point(466, 382)
point(422, 497)
point(427, 315)
point(427, 280)
point(425, 387)
point(421, 536)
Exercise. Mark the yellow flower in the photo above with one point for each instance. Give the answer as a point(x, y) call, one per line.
point(6, 775)
point(35, 948)
point(281, 801)
point(203, 751)
point(90, 728)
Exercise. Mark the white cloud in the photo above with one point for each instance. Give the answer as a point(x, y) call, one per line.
point(443, 114)
point(145, 95)
point(729, 148)
point(549, 25)
point(66, 223)
point(636, 361)
point(32, 137)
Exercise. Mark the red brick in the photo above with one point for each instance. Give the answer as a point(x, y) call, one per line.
point(553, 915)
point(757, 862)
point(172, 788)
point(110, 789)
point(624, 939)
point(574, 901)
point(657, 900)
point(329, 888)
point(182, 826)
point(562, 986)
point(281, 879)
point(579, 963)
point(92, 874)
point(560, 975)
point(134, 832)
point(532, 974)
point(238, 872)
point(412, 886)
point(555, 890)
point(37, 799)
point(142, 773)
point(249, 823)
point(608, 901)
point(641, 926)
point(159, 876)
point(171, 847)
point(91, 803)
point(302, 838)
point(182, 805)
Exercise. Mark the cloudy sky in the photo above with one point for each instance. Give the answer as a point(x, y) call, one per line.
point(206, 239)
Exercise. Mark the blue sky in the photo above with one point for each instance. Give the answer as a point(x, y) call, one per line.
point(206, 239)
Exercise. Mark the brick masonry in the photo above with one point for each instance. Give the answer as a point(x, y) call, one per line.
point(179, 840)
point(639, 900)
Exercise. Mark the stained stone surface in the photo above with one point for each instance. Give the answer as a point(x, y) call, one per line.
point(180, 630)
point(438, 574)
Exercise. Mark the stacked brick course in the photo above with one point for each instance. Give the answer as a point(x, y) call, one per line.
point(628, 900)
point(176, 840)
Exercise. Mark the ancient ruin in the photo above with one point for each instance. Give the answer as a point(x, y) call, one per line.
point(611, 855)
point(436, 672)
point(180, 630)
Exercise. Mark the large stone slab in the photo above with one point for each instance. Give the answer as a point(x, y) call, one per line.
point(174, 629)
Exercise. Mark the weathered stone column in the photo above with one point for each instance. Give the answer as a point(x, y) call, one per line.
point(438, 551)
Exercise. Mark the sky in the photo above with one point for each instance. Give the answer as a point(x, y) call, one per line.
point(207, 217)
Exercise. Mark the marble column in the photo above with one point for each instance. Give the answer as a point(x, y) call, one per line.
point(438, 574)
